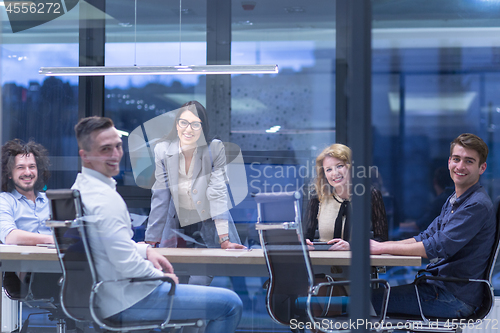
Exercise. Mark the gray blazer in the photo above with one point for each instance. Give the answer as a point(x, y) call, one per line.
point(209, 193)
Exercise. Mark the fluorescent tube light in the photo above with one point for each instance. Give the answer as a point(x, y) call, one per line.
point(432, 103)
point(122, 133)
point(273, 129)
point(158, 70)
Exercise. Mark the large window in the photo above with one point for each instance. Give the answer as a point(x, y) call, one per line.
point(434, 76)
point(36, 107)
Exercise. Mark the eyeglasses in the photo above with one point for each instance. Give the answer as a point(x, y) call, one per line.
point(183, 123)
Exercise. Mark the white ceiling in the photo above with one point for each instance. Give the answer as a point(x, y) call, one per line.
point(396, 23)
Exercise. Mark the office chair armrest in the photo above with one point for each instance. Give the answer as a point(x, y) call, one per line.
point(63, 224)
point(160, 278)
point(315, 289)
point(175, 324)
point(421, 278)
point(133, 280)
point(446, 279)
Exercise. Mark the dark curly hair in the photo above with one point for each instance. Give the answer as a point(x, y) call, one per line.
point(16, 147)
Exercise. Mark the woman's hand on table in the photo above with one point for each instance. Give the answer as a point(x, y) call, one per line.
point(310, 245)
point(228, 245)
point(339, 244)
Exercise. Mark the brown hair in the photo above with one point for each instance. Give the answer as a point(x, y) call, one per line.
point(16, 147)
point(471, 141)
point(337, 150)
point(86, 126)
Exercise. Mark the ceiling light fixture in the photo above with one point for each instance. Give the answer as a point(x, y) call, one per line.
point(273, 129)
point(122, 133)
point(158, 70)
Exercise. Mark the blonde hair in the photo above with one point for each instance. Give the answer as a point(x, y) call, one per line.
point(337, 150)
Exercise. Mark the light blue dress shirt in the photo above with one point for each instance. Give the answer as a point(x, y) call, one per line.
point(18, 212)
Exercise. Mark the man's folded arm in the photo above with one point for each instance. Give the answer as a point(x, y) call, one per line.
point(21, 237)
point(406, 247)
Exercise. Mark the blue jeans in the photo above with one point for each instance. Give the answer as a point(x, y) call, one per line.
point(220, 307)
point(436, 302)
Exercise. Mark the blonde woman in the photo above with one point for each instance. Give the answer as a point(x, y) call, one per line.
point(329, 208)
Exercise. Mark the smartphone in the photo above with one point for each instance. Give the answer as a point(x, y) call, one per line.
point(321, 246)
point(48, 246)
point(320, 243)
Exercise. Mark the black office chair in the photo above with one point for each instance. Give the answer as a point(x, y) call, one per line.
point(80, 283)
point(421, 324)
point(37, 291)
point(292, 295)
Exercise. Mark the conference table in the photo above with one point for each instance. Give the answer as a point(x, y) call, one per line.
point(216, 262)
point(187, 261)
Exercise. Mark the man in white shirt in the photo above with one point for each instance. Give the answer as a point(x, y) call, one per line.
point(117, 257)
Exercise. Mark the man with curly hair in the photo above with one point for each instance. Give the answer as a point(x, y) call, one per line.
point(23, 208)
point(23, 212)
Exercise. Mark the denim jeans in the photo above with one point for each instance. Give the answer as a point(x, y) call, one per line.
point(220, 307)
point(436, 302)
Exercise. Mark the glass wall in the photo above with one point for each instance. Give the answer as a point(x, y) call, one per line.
point(280, 121)
point(434, 70)
point(445, 80)
point(434, 75)
point(39, 108)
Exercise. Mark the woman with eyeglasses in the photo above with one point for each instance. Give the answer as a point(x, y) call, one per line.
point(189, 206)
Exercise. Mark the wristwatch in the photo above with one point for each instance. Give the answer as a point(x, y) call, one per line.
point(223, 239)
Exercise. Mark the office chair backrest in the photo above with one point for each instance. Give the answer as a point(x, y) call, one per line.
point(496, 247)
point(488, 296)
point(66, 214)
point(286, 254)
point(80, 281)
point(38, 286)
point(277, 207)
